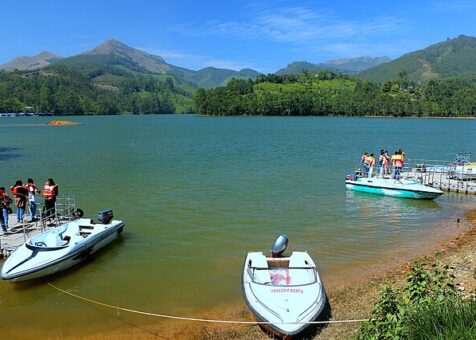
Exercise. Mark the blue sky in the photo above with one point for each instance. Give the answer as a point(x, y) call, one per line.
point(264, 35)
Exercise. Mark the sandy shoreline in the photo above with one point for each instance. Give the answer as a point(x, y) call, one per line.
point(352, 300)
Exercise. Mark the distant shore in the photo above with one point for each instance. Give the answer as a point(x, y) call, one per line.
point(206, 115)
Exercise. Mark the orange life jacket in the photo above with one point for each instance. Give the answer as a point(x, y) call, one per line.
point(49, 191)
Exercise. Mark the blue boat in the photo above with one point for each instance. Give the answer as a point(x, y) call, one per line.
point(402, 188)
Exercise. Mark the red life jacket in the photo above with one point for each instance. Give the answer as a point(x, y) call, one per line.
point(49, 191)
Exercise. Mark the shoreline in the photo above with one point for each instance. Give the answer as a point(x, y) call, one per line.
point(468, 117)
point(353, 299)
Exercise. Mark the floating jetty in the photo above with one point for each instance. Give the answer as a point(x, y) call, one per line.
point(65, 211)
point(452, 176)
point(457, 176)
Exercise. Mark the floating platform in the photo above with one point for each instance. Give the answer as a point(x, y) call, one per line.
point(443, 182)
point(21, 232)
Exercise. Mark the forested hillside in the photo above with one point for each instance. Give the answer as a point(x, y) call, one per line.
point(450, 58)
point(59, 89)
point(329, 93)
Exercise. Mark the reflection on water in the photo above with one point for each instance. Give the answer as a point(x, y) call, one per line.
point(198, 193)
point(8, 153)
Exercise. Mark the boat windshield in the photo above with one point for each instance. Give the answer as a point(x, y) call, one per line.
point(284, 276)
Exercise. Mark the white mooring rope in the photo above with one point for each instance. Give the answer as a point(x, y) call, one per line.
point(199, 319)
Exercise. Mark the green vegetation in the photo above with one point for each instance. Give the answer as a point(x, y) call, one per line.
point(451, 58)
point(62, 90)
point(330, 93)
point(428, 307)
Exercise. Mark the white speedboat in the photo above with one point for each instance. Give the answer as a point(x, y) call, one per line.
point(61, 247)
point(403, 188)
point(284, 291)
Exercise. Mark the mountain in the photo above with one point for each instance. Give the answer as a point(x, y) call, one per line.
point(117, 59)
point(344, 65)
point(30, 63)
point(212, 77)
point(450, 58)
point(141, 60)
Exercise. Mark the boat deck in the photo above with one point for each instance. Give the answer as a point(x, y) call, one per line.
point(10, 241)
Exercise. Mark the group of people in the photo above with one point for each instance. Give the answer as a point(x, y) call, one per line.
point(25, 194)
point(385, 163)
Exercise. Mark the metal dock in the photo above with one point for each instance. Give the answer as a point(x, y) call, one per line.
point(20, 232)
point(457, 176)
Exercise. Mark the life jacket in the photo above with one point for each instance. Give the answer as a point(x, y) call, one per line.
point(19, 191)
point(397, 160)
point(369, 160)
point(49, 191)
point(32, 187)
point(383, 160)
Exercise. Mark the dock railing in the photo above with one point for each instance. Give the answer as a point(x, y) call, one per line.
point(457, 176)
point(65, 211)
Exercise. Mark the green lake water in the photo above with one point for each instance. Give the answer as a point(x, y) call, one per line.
point(197, 193)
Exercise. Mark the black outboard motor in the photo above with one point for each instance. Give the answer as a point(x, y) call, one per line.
point(105, 216)
point(279, 245)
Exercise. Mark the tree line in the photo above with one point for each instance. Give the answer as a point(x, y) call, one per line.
point(400, 98)
point(64, 91)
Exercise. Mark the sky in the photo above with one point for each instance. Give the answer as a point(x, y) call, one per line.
point(263, 35)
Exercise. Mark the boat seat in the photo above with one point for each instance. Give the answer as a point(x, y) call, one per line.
point(71, 231)
point(259, 261)
point(298, 260)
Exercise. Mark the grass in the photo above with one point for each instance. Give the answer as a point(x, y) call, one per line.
point(449, 319)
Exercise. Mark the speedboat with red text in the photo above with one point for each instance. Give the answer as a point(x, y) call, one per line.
point(286, 292)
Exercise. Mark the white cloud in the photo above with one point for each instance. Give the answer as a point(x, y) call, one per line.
point(292, 25)
point(194, 61)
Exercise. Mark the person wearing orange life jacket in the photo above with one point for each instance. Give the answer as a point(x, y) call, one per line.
point(50, 191)
point(21, 197)
point(397, 162)
point(369, 164)
point(4, 208)
point(382, 161)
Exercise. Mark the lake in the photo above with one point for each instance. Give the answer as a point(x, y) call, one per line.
point(197, 193)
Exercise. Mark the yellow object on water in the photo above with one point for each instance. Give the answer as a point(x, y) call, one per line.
point(58, 122)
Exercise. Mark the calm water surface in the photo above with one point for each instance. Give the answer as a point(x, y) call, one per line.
point(197, 193)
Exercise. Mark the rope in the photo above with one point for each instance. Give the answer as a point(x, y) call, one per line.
point(200, 319)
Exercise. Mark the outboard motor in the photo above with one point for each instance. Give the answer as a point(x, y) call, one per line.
point(279, 245)
point(105, 216)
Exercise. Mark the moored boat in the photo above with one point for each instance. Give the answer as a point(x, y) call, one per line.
point(403, 188)
point(285, 292)
point(61, 247)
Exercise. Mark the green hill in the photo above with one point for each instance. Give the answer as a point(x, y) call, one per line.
point(117, 59)
point(451, 58)
point(344, 65)
point(327, 93)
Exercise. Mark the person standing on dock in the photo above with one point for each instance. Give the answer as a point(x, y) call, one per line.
point(32, 191)
point(397, 162)
point(387, 156)
point(21, 195)
point(50, 191)
point(371, 163)
point(363, 162)
point(382, 162)
point(4, 206)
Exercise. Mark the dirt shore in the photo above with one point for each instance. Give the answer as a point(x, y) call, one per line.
point(352, 301)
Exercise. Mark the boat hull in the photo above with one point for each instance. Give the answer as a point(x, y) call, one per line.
point(62, 260)
point(286, 310)
point(400, 192)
